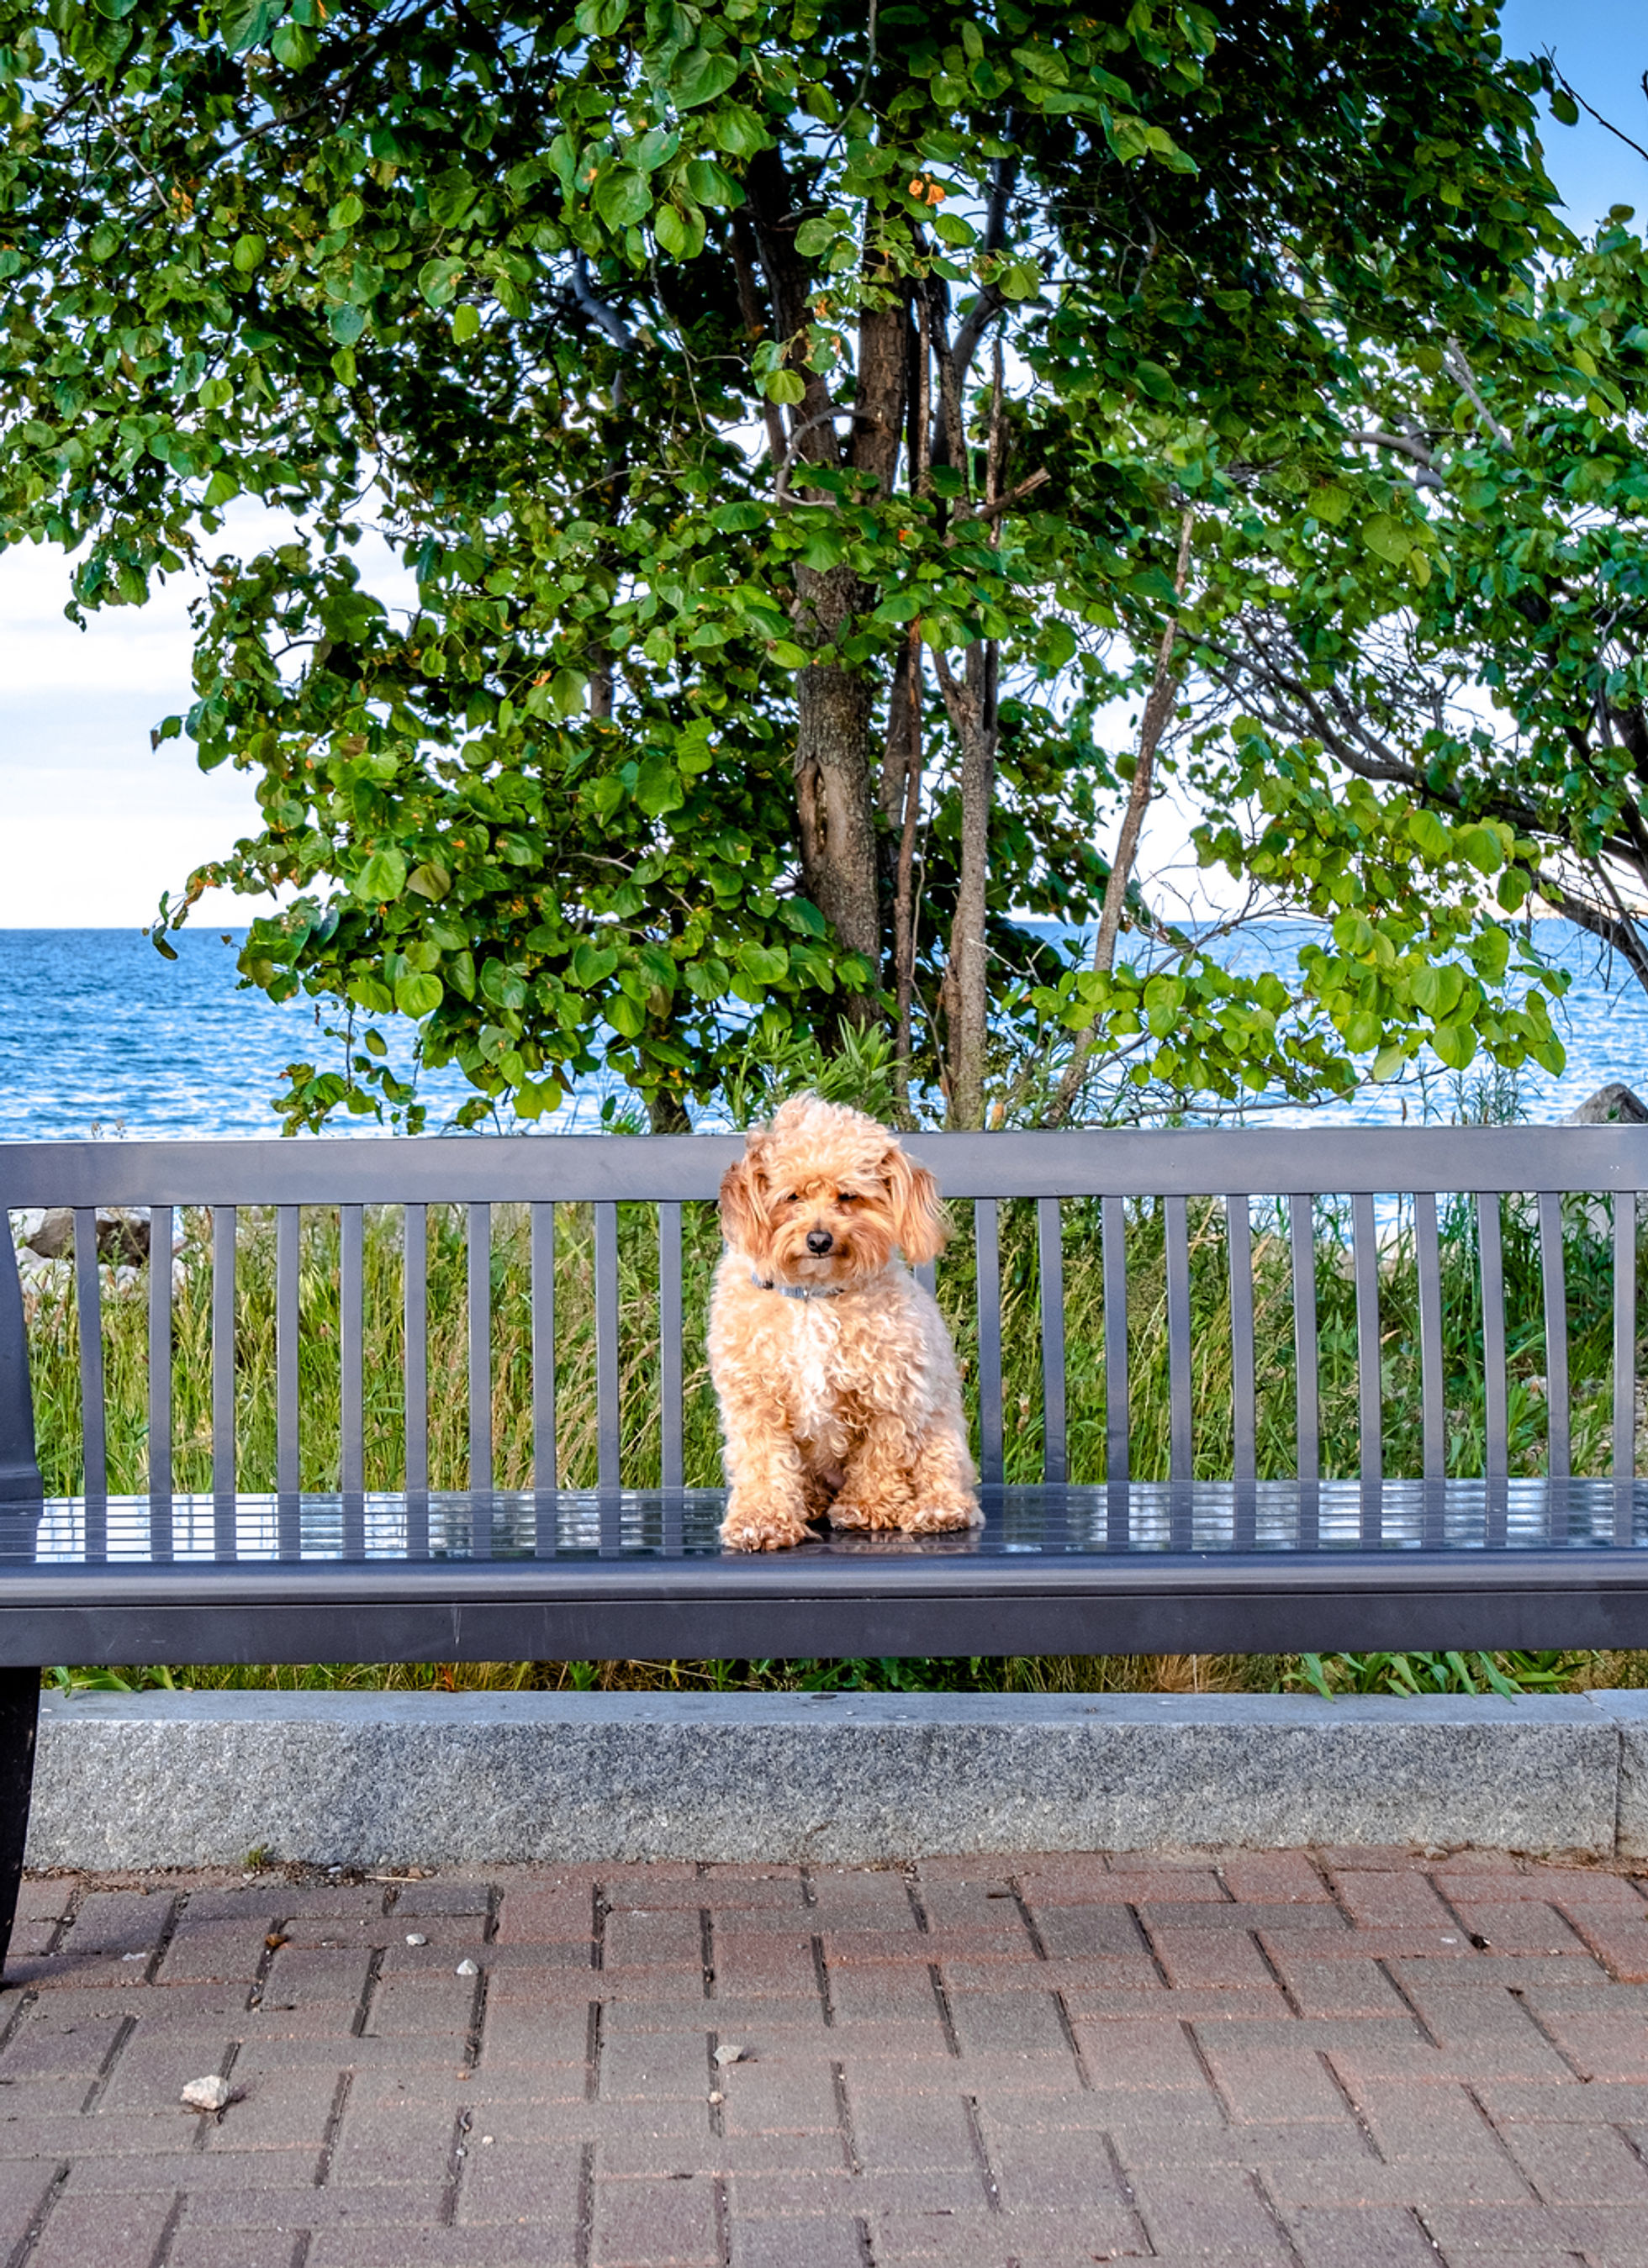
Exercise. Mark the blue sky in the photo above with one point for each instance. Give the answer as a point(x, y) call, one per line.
point(95, 824)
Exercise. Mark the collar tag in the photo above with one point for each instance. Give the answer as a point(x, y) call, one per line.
point(797, 1291)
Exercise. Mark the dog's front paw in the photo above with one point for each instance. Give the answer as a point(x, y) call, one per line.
point(862, 1512)
point(761, 1528)
point(940, 1514)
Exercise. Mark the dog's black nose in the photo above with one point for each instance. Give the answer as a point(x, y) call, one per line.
point(819, 1241)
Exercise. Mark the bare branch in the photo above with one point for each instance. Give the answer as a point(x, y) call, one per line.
point(1427, 478)
point(1459, 369)
point(1574, 95)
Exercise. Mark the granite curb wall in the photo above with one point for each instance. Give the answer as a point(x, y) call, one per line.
point(362, 1779)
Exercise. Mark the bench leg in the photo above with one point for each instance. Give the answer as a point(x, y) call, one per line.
point(19, 1714)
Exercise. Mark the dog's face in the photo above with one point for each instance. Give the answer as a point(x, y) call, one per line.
point(825, 1196)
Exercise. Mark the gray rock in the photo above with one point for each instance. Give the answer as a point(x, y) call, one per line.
point(122, 1234)
point(209, 2094)
point(373, 1779)
point(1614, 1105)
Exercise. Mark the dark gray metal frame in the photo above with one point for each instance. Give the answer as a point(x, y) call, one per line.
point(1060, 1569)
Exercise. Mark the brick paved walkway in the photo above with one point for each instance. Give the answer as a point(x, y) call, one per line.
point(1359, 2061)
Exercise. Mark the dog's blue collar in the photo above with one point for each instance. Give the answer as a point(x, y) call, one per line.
point(797, 1291)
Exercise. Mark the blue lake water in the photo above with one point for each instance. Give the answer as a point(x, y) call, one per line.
point(99, 1034)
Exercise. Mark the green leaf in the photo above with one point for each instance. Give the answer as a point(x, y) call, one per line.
point(1151, 378)
point(245, 23)
point(466, 320)
point(626, 1017)
point(787, 386)
point(382, 878)
point(417, 995)
point(670, 230)
point(623, 196)
point(438, 279)
point(1387, 538)
point(347, 324)
point(430, 879)
point(700, 76)
point(1564, 106)
point(1482, 846)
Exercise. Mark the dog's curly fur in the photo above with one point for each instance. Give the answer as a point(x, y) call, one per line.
point(841, 1401)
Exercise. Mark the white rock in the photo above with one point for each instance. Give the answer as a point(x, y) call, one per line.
point(416, 1937)
point(209, 2094)
point(468, 1968)
point(729, 2053)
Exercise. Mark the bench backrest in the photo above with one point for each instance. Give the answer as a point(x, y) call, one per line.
point(1355, 1239)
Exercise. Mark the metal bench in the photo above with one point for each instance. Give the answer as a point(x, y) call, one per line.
point(1105, 1561)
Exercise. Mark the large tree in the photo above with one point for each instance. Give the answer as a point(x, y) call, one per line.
point(794, 422)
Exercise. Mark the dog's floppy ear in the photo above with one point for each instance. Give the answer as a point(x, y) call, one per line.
point(744, 1216)
point(918, 1216)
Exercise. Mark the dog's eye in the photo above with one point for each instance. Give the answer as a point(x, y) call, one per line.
point(788, 1198)
point(846, 1197)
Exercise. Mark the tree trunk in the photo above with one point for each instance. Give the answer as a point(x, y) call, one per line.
point(973, 713)
point(835, 783)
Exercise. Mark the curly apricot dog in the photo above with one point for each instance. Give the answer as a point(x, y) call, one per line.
point(837, 1379)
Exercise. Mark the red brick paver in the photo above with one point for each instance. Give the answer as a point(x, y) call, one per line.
point(1345, 2059)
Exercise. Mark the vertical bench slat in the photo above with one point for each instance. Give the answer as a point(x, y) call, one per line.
point(671, 1333)
point(1050, 1260)
point(88, 1303)
point(1495, 1400)
point(1370, 1414)
point(288, 1231)
point(288, 1236)
point(543, 1472)
point(352, 1241)
point(224, 1225)
point(988, 1279)
point(1239, 1235)
point(1307, 1460)
point(479, 1239)
point(415, 1285)
point(1555, 1291)
point(1432, 1401)
point(160, 1382)
point(926, 1274)
point(1432, 1384)
point(1238, 1240)
point(1114, 1242)
point(1624, 1362)
point(609, 1465)
point(1176, 1222)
